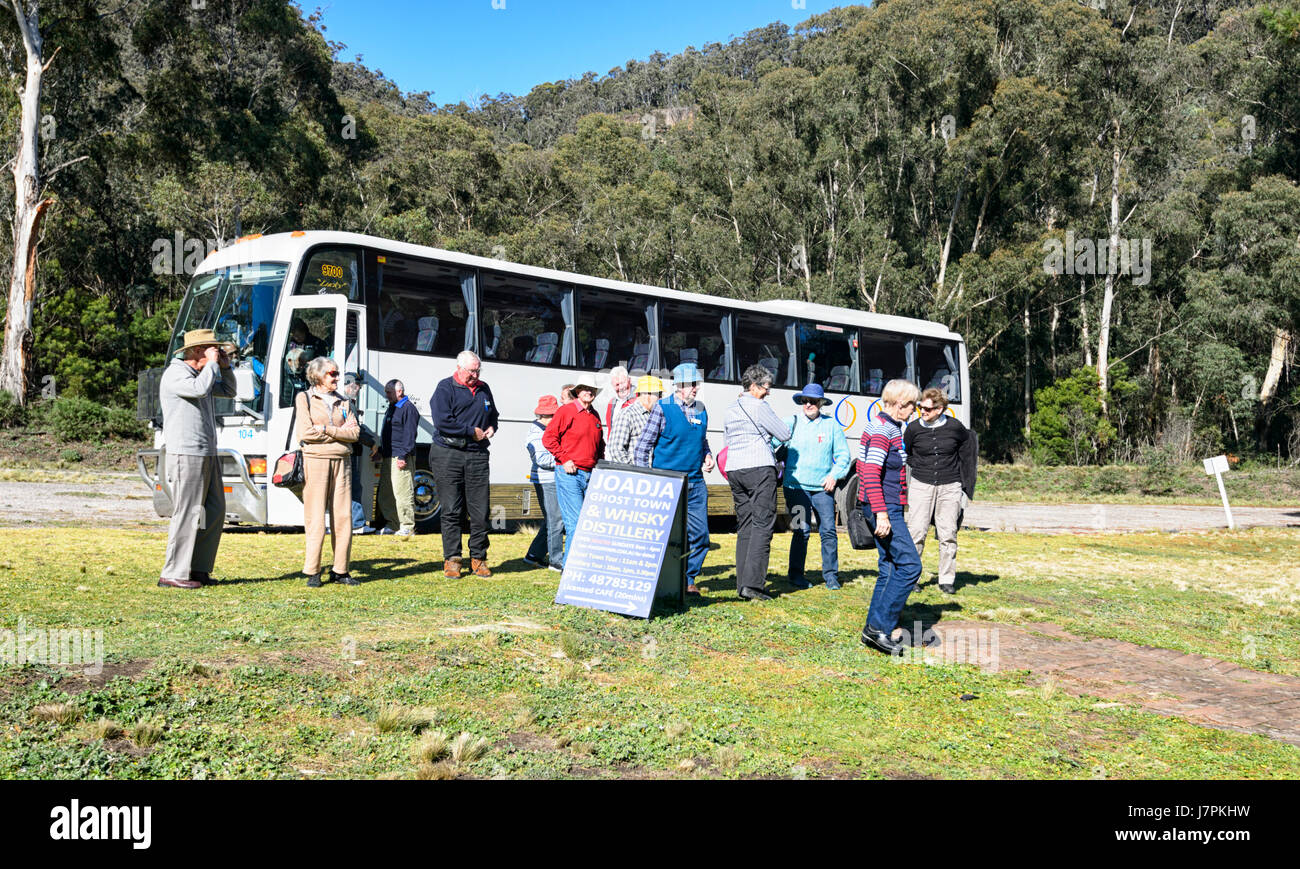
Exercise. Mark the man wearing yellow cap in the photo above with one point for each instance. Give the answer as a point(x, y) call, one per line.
point(629, 420)
point(187, 391)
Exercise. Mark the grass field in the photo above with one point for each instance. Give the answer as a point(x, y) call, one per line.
point(262, 677)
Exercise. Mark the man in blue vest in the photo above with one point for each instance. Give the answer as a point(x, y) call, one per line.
point(675, 438)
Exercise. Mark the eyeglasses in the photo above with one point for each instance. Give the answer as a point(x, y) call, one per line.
point(812, 401)
point(927, 408)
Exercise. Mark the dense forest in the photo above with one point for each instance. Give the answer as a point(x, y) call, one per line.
point(1101, 197)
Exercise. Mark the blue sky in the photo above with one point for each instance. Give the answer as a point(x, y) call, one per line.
point(460, 49)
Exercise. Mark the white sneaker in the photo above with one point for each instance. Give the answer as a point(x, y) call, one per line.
point(405, 533)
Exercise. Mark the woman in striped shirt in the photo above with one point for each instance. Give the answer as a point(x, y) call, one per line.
point(882, 490)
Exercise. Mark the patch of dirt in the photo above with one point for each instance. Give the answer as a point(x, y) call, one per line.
point(1201, 690)
point(126, 746)
point(77, 682)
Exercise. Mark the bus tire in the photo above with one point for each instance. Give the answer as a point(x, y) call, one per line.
point(427, 506)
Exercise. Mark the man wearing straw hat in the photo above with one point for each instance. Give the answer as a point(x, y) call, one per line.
point(188, 390)
point(575, 440)
point(675, 438)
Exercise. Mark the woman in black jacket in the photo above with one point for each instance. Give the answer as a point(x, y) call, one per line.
point(941, 464)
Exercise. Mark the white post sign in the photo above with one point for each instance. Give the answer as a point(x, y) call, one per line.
point(1217, 467)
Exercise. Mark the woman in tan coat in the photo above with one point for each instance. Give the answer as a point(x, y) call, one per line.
point(326, 431)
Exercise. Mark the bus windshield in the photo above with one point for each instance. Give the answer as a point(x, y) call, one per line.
point(238, 304)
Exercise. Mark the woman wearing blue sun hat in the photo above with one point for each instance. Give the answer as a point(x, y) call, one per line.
point(816, 458)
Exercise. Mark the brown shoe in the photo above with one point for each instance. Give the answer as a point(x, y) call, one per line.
point(479, 568)
point(164, 582)
point(451, 568)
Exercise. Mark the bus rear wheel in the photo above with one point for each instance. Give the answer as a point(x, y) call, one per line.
point(427, 505)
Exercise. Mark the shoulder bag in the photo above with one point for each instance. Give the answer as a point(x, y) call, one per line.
point(288, 472)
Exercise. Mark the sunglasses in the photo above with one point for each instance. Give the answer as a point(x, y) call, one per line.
point(331, 374)
point(928, 408)
point(811, 401)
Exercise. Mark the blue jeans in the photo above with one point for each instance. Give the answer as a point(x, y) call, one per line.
point(900, 568)
point(806, 503)
point(697, 525)
point(570, 490)
point(548, 545)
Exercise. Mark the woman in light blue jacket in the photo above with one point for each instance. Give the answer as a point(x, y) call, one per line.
point(816, 459)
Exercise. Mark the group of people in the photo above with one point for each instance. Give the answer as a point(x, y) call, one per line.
point(806, 453)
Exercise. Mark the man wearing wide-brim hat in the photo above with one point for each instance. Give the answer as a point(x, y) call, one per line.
point(577, 442)
point(675, 438)
point(199, 373)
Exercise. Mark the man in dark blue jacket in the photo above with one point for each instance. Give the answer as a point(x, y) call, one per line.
point(464, 419)
point(396, 448)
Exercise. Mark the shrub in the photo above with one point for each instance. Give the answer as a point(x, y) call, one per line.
point(72, 418)
point(1110, 481)
point(1161, 471)
point(12, 414)
point(1068, 427)
point(70, 455)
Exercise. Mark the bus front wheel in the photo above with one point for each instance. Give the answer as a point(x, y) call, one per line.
point(427, 505)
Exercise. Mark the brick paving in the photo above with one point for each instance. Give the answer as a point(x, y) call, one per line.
point(1201, 690)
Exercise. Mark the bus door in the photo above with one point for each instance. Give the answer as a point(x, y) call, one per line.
point(307, 327)
point(370, 401)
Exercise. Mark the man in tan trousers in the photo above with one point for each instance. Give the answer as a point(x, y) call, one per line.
point(187, 392)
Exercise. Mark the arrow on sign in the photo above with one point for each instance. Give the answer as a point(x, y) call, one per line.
point(627, 605)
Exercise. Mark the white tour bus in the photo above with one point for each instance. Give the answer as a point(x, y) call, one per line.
point(388, 310)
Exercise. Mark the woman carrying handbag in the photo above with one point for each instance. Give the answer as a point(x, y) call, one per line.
point(326, 431)
point(750, 426)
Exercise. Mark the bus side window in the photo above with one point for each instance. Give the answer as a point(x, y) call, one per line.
point(767, 341)
point(421, 305)
point(523, 319)
point(884, 358)
point(692, 333)
point(613, 329)
point(936, 365)
point(311, 334)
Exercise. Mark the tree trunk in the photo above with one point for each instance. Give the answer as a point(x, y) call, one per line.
point(1083, 322)
point(1028, 392)
point(947, 241)
point(1276, 361)
point(1108, 299)
point(28, 210)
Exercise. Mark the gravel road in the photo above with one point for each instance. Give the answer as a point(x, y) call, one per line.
point(123, 501)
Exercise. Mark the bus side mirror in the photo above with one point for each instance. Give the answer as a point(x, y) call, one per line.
point(245, 385)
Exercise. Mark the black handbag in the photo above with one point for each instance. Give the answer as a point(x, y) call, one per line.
point(288, 473)
point(860, 536)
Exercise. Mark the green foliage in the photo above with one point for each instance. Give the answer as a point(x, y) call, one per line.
point(1068, 426)
point(1110, 480)
point(72, 419)
point(907, 158)
point(1161, 472)
point(12, 414)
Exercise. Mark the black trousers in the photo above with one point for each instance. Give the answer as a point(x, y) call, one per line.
point(754, 491)
point(461, 479)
